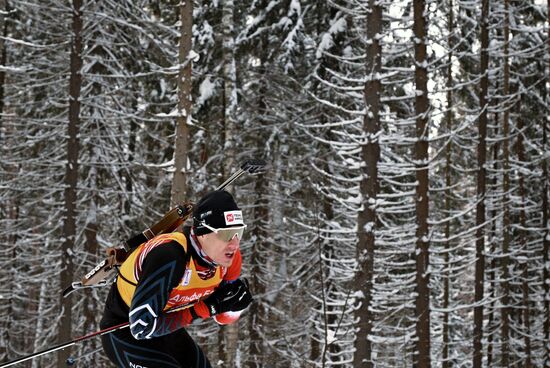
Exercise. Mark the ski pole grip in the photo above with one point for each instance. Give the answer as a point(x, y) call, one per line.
point(249, 166)
point(254, 166)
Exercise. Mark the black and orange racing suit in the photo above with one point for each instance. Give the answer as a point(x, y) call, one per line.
point(166, 273)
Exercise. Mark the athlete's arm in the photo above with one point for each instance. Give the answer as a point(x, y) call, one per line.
point(161, 271)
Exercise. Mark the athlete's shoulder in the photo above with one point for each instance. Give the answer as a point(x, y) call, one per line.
point(168, 251)
point(170, 237)
point(165, 242)
point(158, 252)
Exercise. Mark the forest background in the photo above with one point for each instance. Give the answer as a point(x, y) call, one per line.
point(404, 221)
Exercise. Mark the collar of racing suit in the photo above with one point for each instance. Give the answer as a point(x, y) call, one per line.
point(199, 251)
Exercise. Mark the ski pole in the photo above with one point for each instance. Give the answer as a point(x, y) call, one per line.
point(72, 360)
point(249, 166)
point(66, 345)
point(86, 337)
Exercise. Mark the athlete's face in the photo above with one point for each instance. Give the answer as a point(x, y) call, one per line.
point(221, 252)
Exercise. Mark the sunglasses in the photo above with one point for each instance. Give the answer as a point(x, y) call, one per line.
point(227, 234)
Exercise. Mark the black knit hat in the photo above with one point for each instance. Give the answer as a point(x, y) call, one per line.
point(218, 210)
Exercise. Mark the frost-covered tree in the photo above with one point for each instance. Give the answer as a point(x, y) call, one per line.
point(184, 102)
point(370, 113)
point(109, 184)
point(481, 184)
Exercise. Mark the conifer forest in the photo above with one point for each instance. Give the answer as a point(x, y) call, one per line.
point(404, 218)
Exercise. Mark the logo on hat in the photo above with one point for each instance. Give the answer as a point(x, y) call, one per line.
point(233, 218)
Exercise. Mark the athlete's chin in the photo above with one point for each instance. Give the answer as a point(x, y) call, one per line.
point(225, 261)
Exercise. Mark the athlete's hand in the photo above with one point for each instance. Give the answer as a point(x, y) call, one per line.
point(230, 297)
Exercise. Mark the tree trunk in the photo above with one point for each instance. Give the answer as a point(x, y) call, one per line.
point(185, 85)
point(448, 162)
point(546, 220)
point(257, 313)
point(523, 246)
point(505, 309)
point(481, 184)
point(546, 249)
point(11, 240)
point(229, 335)
point(422, 199)
point(91, 228)
point(6, 207)
point(4, 6)
point(318, 341)
point(71, 178)
point(230, 85)
point(129, 186)
point(491, 276)
point(366, 220)
point(92, 248)
point(39, 327)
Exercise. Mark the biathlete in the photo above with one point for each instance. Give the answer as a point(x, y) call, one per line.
point(196, 273)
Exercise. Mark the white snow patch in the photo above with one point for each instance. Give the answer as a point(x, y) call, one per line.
point(193, 56)
point(206, 90)
point(369, 226)
point(331, 337)
point(327, 40)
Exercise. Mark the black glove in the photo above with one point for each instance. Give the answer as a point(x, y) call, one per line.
point(231, 297)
